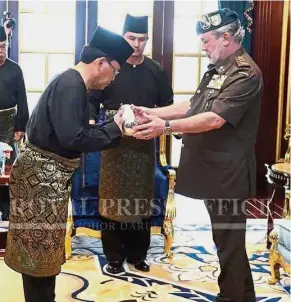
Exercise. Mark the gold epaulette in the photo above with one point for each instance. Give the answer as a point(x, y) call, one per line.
point(241, 61)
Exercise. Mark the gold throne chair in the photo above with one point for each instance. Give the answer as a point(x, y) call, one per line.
point(84, 218)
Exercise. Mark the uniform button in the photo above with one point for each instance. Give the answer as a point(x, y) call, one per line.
point(207, 74)
point(182, 145)
point(198, 91)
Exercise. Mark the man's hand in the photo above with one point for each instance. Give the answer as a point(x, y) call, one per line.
point(92, 122)
point(118, 118)
point(153, 128)
point(139, 113)
point(18, 135)
point(141, 109)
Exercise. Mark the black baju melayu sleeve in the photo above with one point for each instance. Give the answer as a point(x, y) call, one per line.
point(59, 122)
point(95, 98)
point(22, 115)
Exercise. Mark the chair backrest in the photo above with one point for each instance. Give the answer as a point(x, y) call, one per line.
point(86, 178)
point(85, 182)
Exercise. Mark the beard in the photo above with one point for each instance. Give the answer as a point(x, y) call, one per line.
point(214, 58)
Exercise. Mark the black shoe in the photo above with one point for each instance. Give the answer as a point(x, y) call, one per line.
point(142, 266)
point(115, 267)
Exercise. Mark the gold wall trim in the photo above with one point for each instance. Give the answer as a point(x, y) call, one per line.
point(288, 122)
point(282, 78)
point(189, 54)
point(51, 52)
point(192, 92)
point(35, 90)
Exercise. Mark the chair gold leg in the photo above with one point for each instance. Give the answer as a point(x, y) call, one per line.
point(274, 258)
point(69, 231)
point(168, 232)
point(275, 269)
point(68, 240)
point(285, 266)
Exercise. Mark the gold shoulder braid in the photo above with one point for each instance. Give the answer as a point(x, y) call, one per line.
point(241, 61)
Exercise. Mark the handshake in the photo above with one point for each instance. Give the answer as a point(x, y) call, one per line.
point(131, 121)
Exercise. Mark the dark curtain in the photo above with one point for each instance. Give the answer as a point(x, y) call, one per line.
point(244, 9)
point(85, 24)
point(80, 28)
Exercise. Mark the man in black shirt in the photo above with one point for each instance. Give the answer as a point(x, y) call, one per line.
point(13, 108)
point(127, 172)
point(58, 132)
point(12, 96)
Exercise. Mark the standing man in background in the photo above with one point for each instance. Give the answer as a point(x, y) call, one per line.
point(13, 103)
point(127, 172)
point(13, 108)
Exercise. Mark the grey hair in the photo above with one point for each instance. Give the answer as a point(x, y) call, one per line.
point(235, 30)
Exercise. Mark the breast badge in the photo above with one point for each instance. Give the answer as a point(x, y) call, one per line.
point(216, 81)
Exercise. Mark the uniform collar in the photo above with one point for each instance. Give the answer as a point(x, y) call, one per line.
point(223, 66)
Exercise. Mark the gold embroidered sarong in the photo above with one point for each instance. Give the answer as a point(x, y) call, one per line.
point(39, 195)
point(126, 188)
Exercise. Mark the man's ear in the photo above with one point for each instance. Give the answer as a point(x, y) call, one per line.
point(99, 62)
point(226, 39)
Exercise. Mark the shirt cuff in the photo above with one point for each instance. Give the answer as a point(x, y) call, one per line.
point(225, 111)
point(113, 130)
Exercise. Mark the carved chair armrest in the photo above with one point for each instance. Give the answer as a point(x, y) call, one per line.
point(162, 151)
point(69, 231)
point(170, 209)
point(170, 212)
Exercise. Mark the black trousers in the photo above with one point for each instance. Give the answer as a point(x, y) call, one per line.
point(39, 289)
point(228, 219)
point(4, 202)
point(128, 241)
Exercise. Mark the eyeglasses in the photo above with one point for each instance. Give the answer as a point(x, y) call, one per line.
point(115, 72)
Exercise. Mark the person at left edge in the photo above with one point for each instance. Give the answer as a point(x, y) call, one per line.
point(13, 103)
point(13, 108)
point(58, 132)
